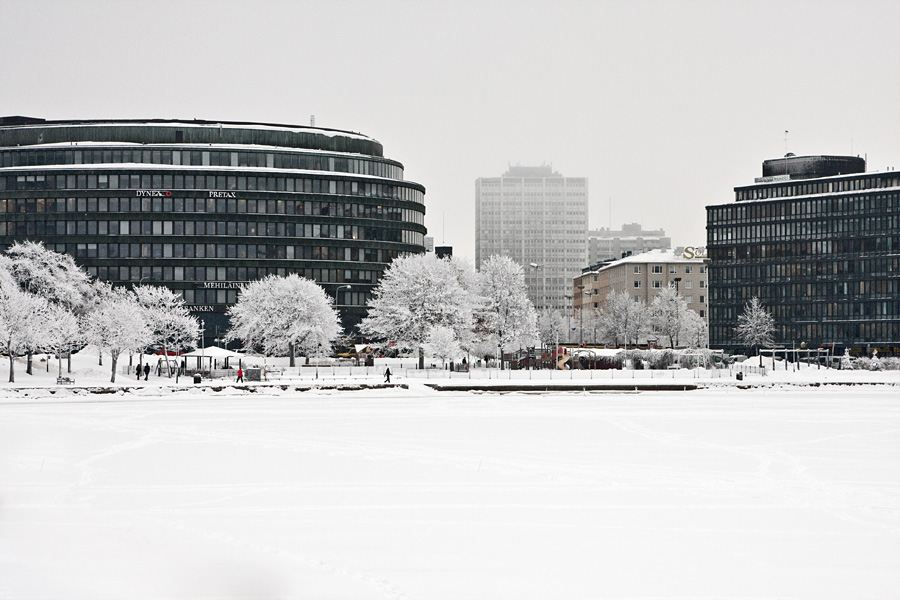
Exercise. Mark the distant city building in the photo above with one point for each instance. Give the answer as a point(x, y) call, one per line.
point(429, 243)
point(817, 239)
point(643, 276)
point(606, 243)
point(443, 251)
point(538, 218)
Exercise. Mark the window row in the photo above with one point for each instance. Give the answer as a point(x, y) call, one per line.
point(165, 181)
point(886, 267)
point(816, 334)
point(228, 206)
point(226, 251)
point(202, 158)
point(817, 187)
point(839, 291)
point(854, 246)
point(792, 312)
point(210, 228)
point(816, 229)
point(657, 269)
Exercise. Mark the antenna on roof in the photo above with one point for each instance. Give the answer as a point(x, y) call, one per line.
point(312, 120)
point(785, 142)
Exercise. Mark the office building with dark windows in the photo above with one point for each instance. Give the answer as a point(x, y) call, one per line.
point(204, 206)
point(817, 239)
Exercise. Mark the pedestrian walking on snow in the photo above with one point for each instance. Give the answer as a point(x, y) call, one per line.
point(138, 370)
point(146, 371)
point(387, 375)
point(240, 375)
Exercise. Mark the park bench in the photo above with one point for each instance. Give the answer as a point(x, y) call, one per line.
point(65, 381)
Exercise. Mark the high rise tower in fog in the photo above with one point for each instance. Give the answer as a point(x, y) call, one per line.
point(539, 219)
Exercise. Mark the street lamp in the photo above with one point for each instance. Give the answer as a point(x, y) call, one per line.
point(569, 314)
point(542, 295)
point(337, 291)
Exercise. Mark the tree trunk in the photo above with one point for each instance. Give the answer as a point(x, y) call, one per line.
point(12, 372)
point(168, 366)
point(69, 361)
point(115, 359)
point(28, 364)
point(421, 357)
point(292, 353)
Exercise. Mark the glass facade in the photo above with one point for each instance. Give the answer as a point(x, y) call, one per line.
point(203, 220)
point(822, 254)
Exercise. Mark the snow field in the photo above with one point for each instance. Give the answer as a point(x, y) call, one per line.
point(720, 493)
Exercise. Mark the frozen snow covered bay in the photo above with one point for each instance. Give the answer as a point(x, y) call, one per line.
point(750, 494)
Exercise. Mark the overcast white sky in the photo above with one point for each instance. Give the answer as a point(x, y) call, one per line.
point(664, 106)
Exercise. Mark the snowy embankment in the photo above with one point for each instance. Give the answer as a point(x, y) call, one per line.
point(91, 378)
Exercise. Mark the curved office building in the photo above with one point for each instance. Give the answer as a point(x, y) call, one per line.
point(203, 206)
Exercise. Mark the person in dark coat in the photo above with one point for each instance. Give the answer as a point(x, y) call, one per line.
point(387, 375)
point(138, 371)
point(146, 371)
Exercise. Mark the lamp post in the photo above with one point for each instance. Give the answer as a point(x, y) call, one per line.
point(569, 314)
point(581, 294)
point(337, 291)
point(202, 344)
point(542, 296)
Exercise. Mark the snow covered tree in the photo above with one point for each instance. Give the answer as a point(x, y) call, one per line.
point(638, 321)
point(21, 316)
point(624, 318)
point(442, 343)
point(755, 326)
point(695, 330)
point(281, 315)
point(51, 275)
point(551, 325)
point(60, 332)
point(509, 315)
point(416, 293)
point(668, 315)
point(116, 323)
point(167, 317)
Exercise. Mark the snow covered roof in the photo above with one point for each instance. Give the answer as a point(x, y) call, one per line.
point(198, 123)
point(652, 256)
point(214, 352)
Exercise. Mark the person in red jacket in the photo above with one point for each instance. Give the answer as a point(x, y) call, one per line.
point(240, 375)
